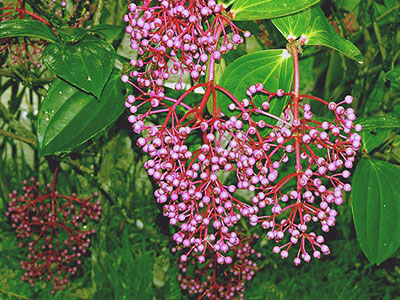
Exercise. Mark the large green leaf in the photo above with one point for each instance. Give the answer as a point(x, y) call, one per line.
point(28, 28)
point(110, 32)
point(376, 130)
point(267, 9)
point(314, 27)
point(68, 117)
point(376, 208)
point(272, 68)
point(86, 64)
point(377, 122)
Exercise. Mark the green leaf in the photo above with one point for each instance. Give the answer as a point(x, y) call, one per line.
point(377, 95)
point(312, 25)
point(72, 35)
point(110, 32)
point(376, 130)
point(393, 75)
point(69, 117)
point(349, 5)
point(377, 122)
point(87, 64)
point(29, 28)
point(376, 208)
point(272, 68)
point(267, 9)
point(372, 139)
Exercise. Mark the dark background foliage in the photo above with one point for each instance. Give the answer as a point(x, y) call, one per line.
point(130, 256)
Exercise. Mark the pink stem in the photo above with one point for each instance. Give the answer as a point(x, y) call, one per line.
point(296, 104)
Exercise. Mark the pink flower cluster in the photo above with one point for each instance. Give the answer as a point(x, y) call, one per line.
point(315, 157)
point(295, 165)
point(214, 281)
point(174, 37)
point(54, 229)
point(189, 154)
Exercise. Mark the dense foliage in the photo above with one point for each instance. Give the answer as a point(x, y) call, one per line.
point(199, 149)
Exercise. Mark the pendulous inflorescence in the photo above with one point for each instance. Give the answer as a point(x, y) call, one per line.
point(54, 228)
point(178, 37)
point(295, 165)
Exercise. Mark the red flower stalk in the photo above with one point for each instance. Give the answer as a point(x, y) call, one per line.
point(54, 229)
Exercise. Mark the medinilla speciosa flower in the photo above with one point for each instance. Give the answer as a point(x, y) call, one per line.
point(54, 229)
point(213, 280)
point(295, 164)
point(177, 37)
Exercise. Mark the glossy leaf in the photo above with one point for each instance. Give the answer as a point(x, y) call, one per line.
point(72, 35)
point(267, 9)
point(376, 130)
point(378, 122)
point(376, 208)
point(69, 117)
point(372, 138)
point(315, 28)
point(110, 32)
point(86, 64)
point(29, 28)
point(272, 68)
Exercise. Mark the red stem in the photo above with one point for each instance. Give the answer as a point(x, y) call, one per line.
point(36, 17)
point(296, 104)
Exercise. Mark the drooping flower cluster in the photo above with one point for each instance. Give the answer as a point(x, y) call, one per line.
point(315, 156)
point(216, 281)
point(188, 172)
point(294, 164)
point(307, 162)
point(174, 37)
point(55, 230)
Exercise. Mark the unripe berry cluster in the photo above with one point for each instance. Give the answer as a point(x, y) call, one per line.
point(54, 229)
point(174, 37)
point(216, 281)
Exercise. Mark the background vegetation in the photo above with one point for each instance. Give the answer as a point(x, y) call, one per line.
point(130, 256)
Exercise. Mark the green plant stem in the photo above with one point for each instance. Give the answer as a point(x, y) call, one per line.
point(97, 14)
point(13, 295)
point(385, 157)
point(84, 170)
point(378, 35)
point(26, 80)
point(388, 12)
point(18, 137)
point(17, 126)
